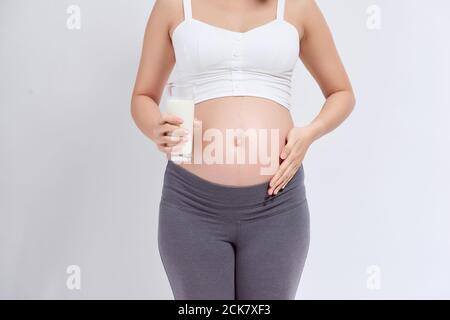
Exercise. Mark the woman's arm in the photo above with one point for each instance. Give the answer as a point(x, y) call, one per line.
point(156, 64)
point(320, 57)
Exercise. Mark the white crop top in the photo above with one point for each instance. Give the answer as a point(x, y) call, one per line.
point(220, 62)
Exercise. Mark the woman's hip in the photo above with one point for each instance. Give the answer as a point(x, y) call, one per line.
point(192, 194)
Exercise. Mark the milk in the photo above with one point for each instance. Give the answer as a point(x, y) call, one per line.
point(183, 108)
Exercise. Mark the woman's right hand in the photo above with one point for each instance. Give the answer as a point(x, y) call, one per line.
point(168, 134)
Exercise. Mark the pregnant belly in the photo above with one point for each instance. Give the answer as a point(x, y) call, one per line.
point(239, 140)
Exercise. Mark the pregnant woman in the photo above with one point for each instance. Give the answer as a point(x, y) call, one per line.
point(237, 229)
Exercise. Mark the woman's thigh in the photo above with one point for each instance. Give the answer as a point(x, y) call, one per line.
point(197, 256)
point(271, 253)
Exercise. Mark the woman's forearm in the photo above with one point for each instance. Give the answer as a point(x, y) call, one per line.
point(146, 114)
point(336, 109)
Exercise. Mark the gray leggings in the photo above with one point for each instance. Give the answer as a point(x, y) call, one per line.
point(232, 242)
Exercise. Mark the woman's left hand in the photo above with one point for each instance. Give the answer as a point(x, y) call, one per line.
point(298, 141)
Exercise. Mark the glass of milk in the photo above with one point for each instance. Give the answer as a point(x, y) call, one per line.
point(180, 102)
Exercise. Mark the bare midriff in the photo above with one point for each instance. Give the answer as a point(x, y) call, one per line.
point(252, 131)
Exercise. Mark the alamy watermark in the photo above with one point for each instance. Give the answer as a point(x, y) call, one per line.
point(74, 20)
point(73, 281)
point(237, 146)
point(373, 21)
point(373, 281)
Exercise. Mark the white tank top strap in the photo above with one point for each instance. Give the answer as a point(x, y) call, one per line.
point(187, 9)
point(280, 9)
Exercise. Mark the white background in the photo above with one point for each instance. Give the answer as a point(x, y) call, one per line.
point(80, 185)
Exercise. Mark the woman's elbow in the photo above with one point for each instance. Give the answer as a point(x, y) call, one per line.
point(352, 100)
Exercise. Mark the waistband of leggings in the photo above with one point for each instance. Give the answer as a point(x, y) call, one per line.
point(177, 177)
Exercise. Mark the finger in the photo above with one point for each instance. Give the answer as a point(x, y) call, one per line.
point(169, 129)
point(278, 188)
point(294, 171)
point(179, 132)
point(170, 141)
point(287, 155)
point(276, 182)
point(283, 167)
point(169, 118)
point(174, 142)
point(284, 178)
point(178, 145)
point(285, 184)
